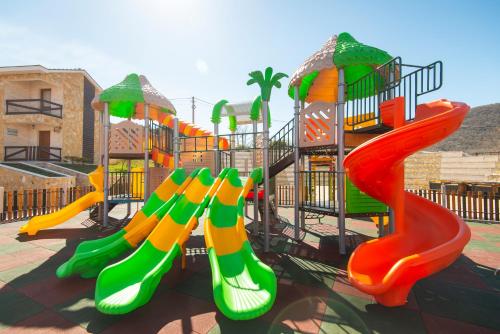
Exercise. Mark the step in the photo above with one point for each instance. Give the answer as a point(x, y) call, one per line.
point(23, 167)
point(82, 168)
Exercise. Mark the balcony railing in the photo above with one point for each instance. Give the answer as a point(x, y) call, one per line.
point(40, 153)
point(33, 106)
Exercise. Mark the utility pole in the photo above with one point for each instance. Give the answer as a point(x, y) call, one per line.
point(193, 108)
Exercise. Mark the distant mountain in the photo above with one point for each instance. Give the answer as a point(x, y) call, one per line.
point(480, 132)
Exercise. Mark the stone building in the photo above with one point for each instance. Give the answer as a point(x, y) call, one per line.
point(46, 114)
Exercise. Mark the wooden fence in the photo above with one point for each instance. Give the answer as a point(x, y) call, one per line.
point(29, 203)
point(470, 205)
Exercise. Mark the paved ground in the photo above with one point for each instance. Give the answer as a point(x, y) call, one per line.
point(314, 295)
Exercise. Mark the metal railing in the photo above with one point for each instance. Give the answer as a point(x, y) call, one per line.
point(225, 159)
point(33, 106)
point(162, 137)
point(285, 195)
point(24, 153)
point(236, 142)
point(281, 143)
point(126, 185)
point(364, 96)
point(317, 190)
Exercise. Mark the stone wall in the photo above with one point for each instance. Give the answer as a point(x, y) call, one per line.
point(68, 90)
point(12, 180)
point(422, 167)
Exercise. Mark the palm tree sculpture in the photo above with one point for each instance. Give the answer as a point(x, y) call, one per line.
point(266, 82)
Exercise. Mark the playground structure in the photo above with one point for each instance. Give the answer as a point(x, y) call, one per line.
point(348, 98)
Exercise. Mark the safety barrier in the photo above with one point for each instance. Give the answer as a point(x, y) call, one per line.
point(23, 204)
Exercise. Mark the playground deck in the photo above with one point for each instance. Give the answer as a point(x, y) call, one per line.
point(314, 295)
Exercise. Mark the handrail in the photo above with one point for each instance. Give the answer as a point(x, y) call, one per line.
point(281, 144)
point(33, 106)
point(24, 153)
point(162, 137)
point(365, 95)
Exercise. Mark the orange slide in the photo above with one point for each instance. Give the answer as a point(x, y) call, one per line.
point(428, 237)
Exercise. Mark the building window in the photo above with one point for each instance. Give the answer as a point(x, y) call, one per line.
point(11, 132)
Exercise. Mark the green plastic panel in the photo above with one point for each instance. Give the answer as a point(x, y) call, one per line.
point(359, 202)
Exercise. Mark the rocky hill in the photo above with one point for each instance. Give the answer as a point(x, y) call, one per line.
point(480, 132)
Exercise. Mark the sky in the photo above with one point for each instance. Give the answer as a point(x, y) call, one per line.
point(206, 48)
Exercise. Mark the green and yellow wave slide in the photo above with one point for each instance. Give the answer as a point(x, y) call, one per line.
point(130, 283)
point(92, 256)
point(243, 286)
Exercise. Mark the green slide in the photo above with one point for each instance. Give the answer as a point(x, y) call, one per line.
point(92, 256)
point(243, 286)
point(130, 283)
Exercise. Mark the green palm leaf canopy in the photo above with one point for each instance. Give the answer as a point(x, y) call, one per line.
point(342, 51)
point(128, 97)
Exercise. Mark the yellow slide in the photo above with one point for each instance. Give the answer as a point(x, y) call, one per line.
point(36, 224)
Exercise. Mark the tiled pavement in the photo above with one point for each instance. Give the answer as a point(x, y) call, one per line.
point(314, 295)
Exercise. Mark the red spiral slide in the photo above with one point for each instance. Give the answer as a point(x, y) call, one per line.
point(427, 237)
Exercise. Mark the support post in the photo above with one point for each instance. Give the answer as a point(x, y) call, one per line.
point(232, 155)
point(100, 208)
point(193, 108)
point(176, 143)
point(106, 165)
point(302, 213)
point(392, 226)
point(146, 152)
point(129, 170)
point(255, 185)
point(340, 161)
point(380, 225)
point(443, 195)
point(216, 149)
point(296, 169)
point(265, 163)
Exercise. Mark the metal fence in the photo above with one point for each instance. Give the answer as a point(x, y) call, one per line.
point(34, 202)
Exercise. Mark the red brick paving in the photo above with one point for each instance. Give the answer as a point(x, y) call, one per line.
point(53, 291)
point(44, 322)
point(298, 307)
point(440, 325)
point(185, 315)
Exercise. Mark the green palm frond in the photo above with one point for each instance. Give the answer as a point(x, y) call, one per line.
point(275, 81)
point(256, 77)
point(233, 125)
point(268, 74)
point(255, 110)
point(216, 111)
